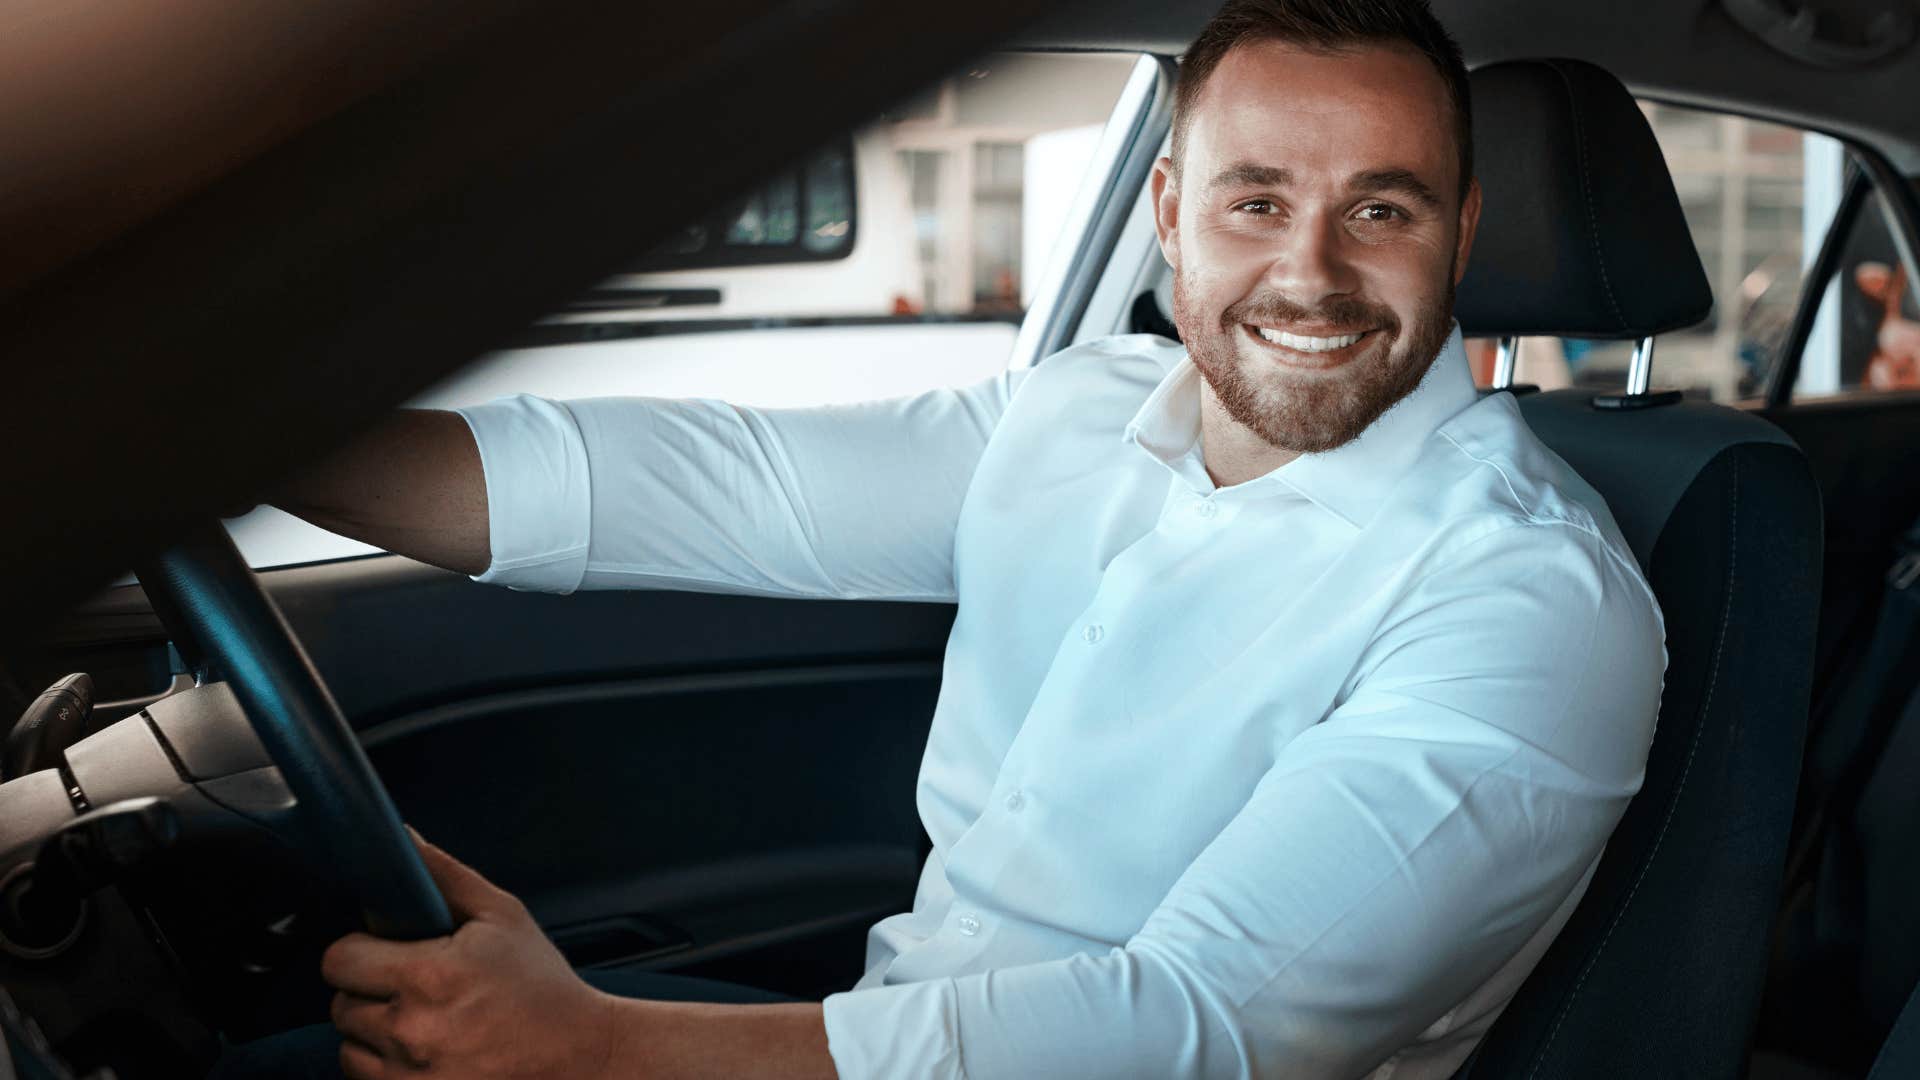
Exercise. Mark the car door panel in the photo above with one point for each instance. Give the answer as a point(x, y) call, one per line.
point(724, 812)
point(1865, 450)
point(720, 785)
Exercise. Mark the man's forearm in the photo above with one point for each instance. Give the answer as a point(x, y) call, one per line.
point(413, 485)
point(687, 1041)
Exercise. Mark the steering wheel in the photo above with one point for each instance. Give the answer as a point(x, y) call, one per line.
point(215, 610)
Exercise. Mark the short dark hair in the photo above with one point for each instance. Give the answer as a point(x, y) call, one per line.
point(1327, 26)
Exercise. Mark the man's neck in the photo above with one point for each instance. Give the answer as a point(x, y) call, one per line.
point(1232, 452)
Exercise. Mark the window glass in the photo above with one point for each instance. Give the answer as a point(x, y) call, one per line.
point(943, 209)
point(770, 217)
point(1757, 198)
point(829, 227)
point(764, 227)
point(1866, 337)
point(896, 259)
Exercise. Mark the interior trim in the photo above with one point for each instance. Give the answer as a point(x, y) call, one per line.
point(491, 705)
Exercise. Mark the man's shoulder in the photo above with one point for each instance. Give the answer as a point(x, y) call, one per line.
point(1125, 363)
point(1505, 515)
point(1485, 472)
point(1515, 494)
point(1490, 447)
point(1091, 389)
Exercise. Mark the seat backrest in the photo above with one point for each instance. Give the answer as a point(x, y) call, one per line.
point(1659, 970)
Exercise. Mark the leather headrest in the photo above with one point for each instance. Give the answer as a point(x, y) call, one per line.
point(1581, 234)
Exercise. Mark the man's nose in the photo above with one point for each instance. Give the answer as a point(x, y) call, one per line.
point(1311, 263)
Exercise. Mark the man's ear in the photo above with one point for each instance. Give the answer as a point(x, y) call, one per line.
point(1469, 224)
point(1166, 210)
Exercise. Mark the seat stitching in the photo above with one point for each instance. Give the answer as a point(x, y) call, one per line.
point(1686, 770)
point(1586, 194)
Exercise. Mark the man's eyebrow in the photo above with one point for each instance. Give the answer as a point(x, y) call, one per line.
point(1249, 174)
point(1396, 181)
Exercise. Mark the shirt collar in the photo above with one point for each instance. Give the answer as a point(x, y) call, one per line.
point(1349, 482)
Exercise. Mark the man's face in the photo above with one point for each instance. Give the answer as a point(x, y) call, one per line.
point(1316, 234)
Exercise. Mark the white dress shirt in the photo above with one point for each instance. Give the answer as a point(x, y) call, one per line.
point(1295, 778)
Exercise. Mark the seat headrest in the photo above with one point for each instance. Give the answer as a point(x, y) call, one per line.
point(1581, 233)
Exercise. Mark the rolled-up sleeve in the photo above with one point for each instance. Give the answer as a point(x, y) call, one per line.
point(1393, 858)
point(539, 493)
point(845, 501)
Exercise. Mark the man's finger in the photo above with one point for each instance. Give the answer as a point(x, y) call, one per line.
point(361, 1062)
point(467, 893)
point(363, 1019)
point(369, 1021)
point(373, 967)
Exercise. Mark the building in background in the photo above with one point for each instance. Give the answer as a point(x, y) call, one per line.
point(993, 157)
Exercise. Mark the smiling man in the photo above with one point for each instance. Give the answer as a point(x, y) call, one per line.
point(1301, 354)
point(1295, 687)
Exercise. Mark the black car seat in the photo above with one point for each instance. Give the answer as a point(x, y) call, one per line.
point(1659, 971)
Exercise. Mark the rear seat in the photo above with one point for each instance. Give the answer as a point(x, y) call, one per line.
point(1847, 946)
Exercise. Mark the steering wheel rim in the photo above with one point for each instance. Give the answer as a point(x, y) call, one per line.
point(213, 606)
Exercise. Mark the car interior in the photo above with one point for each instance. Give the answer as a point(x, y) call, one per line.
point(723, 785)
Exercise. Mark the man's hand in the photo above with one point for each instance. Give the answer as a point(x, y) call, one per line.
point(495, 999)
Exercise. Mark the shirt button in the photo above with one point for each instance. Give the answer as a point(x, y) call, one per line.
point(1093, 633)
point(1015, 801)
point(1205, 508)
point(968, 925)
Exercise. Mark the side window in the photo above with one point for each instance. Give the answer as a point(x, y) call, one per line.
point(898, 258)
point(803, 215)
point(1758, 197)
point(1866, 335)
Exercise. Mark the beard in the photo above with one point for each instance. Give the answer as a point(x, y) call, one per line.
point(1310, 412)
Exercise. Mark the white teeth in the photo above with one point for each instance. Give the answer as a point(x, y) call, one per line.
point(1303, 343)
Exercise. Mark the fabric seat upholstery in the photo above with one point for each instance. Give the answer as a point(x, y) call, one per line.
point(1659, 970)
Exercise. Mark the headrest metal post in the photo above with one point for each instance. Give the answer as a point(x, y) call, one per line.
point(1639, 379)
point(1640, 369)
point(1505, 359)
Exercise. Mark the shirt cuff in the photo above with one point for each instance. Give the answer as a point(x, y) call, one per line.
point(539, 499)
point(890, 1031)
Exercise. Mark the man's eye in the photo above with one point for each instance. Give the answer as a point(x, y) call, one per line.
point(1256, 206)
point(1379, 212)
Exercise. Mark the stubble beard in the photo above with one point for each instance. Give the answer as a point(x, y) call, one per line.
point(1310, 412)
